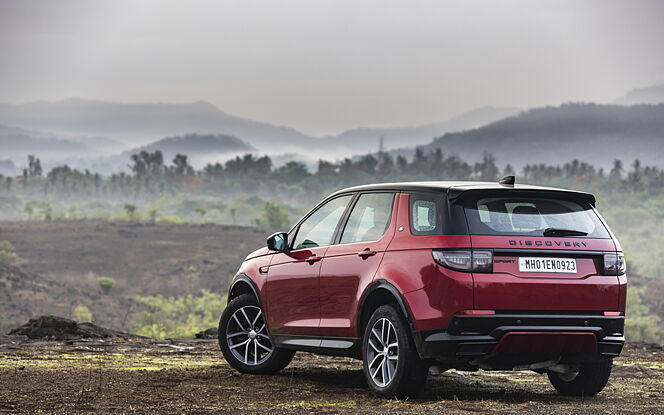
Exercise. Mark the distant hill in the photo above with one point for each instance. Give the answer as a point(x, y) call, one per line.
point(594, 133)
point(194, 145)
point(17, 143)
point(367, 139)
point(138, 124)
point(650, 95)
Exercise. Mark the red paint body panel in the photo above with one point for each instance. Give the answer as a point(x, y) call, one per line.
point(508, 289)
point(546, 342)
point(506, 292)
point(293, 305)
point(344, 275)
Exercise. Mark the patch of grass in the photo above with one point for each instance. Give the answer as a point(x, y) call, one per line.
point(7, 254)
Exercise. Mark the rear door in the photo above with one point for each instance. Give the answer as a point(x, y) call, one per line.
point(547, 254)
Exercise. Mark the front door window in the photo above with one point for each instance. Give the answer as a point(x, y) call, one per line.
point(318, 229)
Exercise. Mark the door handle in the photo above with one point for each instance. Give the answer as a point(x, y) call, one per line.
point(313, 259)
point(366, 253)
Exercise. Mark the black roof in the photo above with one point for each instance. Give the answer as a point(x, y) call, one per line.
point(455, 189)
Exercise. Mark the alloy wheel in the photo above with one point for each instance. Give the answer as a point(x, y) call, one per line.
point(383, 352)
point(247, 337)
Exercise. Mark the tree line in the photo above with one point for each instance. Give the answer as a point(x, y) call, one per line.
point(151, 176)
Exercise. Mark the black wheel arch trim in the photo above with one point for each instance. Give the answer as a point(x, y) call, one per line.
point(385, 285)
point(244, 279)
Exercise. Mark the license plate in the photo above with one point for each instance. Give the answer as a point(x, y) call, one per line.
point(553, 265)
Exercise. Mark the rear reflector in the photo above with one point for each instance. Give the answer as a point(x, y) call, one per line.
point(477, 312)
point(613, 313)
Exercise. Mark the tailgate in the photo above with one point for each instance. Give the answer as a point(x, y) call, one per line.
point(542, 273)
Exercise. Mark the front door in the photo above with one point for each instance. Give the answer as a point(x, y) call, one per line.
point(293, 306)
point(350, 266)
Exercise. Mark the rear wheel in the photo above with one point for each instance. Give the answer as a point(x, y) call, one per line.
point(588, 380)
point(244, 340)
point(391, 364)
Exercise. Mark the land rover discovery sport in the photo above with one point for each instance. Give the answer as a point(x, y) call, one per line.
point(409, 276)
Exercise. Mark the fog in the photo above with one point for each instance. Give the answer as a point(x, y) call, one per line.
point(326, 66)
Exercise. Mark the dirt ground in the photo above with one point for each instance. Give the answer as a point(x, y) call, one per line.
point(60, 262)
point(143, 258)
point(191, 376)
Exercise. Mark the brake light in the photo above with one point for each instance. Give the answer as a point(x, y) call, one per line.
point(466, 260)
point(613, 313)
point(614, 263)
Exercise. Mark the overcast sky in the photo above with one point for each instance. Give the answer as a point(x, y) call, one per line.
point(325, 66)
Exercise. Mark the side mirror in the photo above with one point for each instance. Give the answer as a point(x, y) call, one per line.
point(278, 242)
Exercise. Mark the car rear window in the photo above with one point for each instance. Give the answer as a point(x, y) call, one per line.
point(532, 217)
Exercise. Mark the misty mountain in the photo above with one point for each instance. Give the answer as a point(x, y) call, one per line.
point(194, 146)
point(650, 95)
point(367, 139)
point(138, 124)
point(17, 143)
point(589, 132)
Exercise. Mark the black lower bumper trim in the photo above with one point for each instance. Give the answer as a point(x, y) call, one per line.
point(473, 338)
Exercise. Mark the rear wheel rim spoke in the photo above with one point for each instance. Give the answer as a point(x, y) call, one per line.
point(382, 359)
point(249, 342)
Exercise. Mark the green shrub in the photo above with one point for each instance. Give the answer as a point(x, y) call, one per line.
point(178, 317)
point(170, 219)
point(7, 254)
point(81, 314)
point(640, 325)
point(153, 213)
point(106, 284)
point(274, 216)
point(29, 210)
point(130, 210)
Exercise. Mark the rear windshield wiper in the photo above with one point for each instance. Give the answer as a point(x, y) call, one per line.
point(563, 232)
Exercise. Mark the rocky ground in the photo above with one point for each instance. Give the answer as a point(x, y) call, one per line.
point(145, 376)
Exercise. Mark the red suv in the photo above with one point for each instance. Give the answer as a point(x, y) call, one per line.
point(463, 275)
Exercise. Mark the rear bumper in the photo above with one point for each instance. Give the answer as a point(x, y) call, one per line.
point(471, 339)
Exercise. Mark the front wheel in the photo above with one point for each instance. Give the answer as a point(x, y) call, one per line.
point(588, 380)
point(244, 340)
point(391, 364)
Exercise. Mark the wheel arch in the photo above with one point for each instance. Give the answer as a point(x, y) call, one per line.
point(243, 284)
point(379, 293)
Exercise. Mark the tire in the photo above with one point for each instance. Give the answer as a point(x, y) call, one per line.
point(244, 340)
point(405, 373)
point(588, 381)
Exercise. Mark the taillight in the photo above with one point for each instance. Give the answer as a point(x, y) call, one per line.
point(467, 260)
point(614, 263)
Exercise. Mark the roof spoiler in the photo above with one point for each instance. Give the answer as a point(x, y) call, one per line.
point(454, 194)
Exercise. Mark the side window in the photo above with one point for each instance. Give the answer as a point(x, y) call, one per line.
point(369, 219)
point(318, 229)
point(425, 214)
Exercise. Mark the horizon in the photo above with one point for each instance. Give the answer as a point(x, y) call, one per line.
point(338, 133)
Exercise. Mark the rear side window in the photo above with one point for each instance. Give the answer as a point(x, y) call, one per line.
point(369, 219)
point(533, 217)
point(426, 214)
